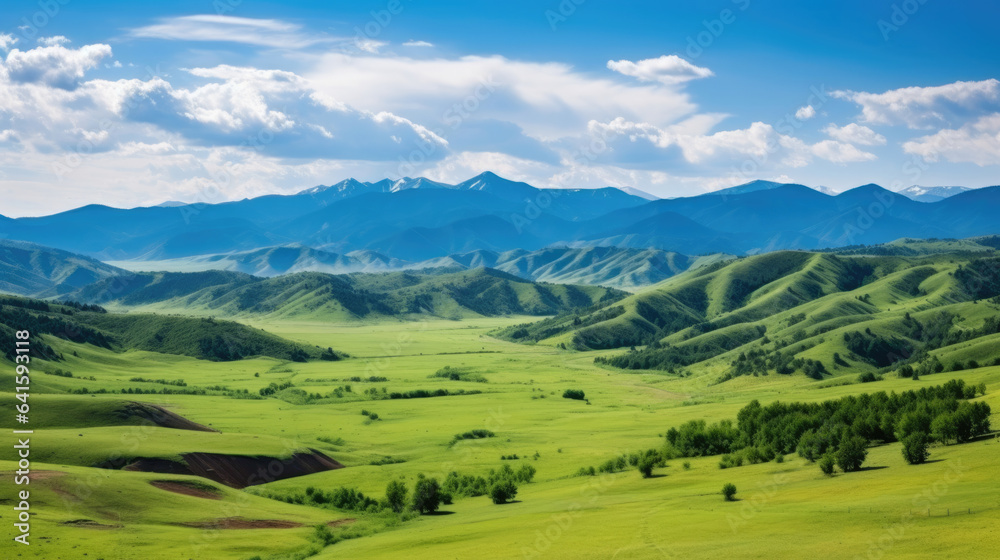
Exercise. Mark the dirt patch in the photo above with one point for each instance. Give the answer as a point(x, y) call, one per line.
point(341, 522)
point(243, 523)
point(160, 416)
point(44, 475)
point(237, 471)
point(188, 488)
point(89, 524)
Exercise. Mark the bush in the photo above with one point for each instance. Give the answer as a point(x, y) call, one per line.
point(826, 464)
point(852, 453)
point(915, 448)
point(646, 464)
point(729, 492)
point(426, 495)
point(502, 491)
point(395, 495)
point(575, 394)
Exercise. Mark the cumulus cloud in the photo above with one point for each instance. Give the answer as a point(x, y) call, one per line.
point(53, 41)
point(667, 69)
point(926, 107)
point(54, 65)
point(805, 113)
point(7, 41)
point(854, 134)
point(977, 142)
point(547, 100)
point(260, 32)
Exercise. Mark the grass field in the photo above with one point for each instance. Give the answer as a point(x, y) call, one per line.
point(949, 507)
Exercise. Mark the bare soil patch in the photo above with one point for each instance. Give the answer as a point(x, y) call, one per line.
point(188, 488)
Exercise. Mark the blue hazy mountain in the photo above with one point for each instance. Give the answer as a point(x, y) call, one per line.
point(415, 219)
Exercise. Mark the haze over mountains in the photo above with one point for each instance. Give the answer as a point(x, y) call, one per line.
point(388, 225)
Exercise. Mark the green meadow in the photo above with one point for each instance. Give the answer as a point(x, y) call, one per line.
point(946, 507)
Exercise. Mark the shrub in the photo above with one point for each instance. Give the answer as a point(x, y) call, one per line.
point(426, 495)
point(646, 464)
point(575, 394)
point(729, 492)
point(395, 495)
point(502, 491)
point(826, 464)
point(915, 448)
point(851, 454)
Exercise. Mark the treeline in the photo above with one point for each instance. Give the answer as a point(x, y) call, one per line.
point(813, 430)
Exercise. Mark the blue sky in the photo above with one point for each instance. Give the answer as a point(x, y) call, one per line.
point(128, 103)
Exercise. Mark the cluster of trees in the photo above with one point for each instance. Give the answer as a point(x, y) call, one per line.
point(499, 484)
point(644, 461)
point(371, 415)
point(472, 434)
point(424, 393)
point(575, 394)
point(274, 388)
point(878, 350)
point(838, 431)
point(17, 314)
point(458, 374)
point(174, 382)
point(93, 308)
point(329, 355)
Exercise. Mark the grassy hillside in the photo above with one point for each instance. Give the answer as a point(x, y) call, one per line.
point(33, 270)
point(204, 338)
point(440, 292)
point(790, 312)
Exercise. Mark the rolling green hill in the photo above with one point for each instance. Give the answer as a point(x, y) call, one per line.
point(789, 312)
point(33, 270)
point(204, 338)
point(440, 292)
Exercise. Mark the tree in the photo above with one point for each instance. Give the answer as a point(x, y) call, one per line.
point(851, 453)
point(826, 464)
point(426, 495)
point(576, 394)
point(646, 464)
point(944, 427)
point(395, 495)
point(502, 491)
point(729, 492)
point(915, 448)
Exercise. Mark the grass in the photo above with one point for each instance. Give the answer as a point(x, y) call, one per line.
point(783, 510)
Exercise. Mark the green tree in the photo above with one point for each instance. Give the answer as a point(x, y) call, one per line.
point(502, 491)
point(852, 453)
point(646, 464)
point(826, 463)
point(915, 448)
point(944, 427)
point(395, 495)
point(729, 492)
point(426, 495)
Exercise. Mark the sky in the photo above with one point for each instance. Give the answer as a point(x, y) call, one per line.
point(136, 103)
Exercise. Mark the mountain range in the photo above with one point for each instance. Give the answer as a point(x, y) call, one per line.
point(415, 220)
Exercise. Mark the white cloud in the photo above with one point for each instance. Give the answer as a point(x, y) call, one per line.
point(261, 32)
point(667, 69)
point(53, 41)
point(926, 107)
point(546, 100)
point(7, 41)
point(855, 134)
point(977, 142)
point(370, 46)
point(54, 65)
point(805, 113)
point(412, 43)
point(838, 152)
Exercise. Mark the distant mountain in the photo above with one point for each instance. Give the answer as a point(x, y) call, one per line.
point(636, 192)
point(754, 186)
point(931, 194)
point(33, 270)
point(440, 292)
point(420, 219)
point(603, 266)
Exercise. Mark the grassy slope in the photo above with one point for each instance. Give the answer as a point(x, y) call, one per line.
point(622, 516)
